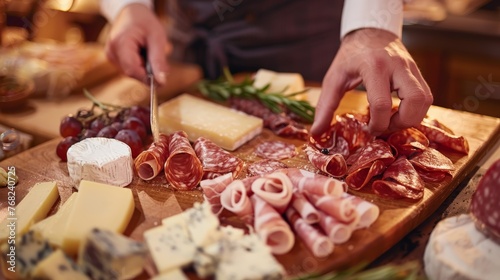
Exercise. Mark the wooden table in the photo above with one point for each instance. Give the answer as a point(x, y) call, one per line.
point(397, 219)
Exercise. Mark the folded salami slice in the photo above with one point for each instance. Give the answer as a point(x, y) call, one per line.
point(432, 160)
point(400, 180)
point(372, 151)
point(264, 166)
point(340, 208)
point(354, 129)
point(149, 163)
point(311, 183)
point(212, 189)
point(404, 141)
point(444, 138)
point(484, 205)
point(275, 188)
point(276, 150)
point(215, 160)
point(361, 177)
point(271, 227)
point(431, 176)
point(318, 243)
point(333, 165)
point(183, 169)
point(235, 199)
point(306, 210)
point(367, 212)
point(330, 143)
point(338, 232)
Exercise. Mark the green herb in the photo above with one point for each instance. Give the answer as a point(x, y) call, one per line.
point(226, 87)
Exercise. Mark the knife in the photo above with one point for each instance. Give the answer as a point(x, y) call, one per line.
point(152, 95)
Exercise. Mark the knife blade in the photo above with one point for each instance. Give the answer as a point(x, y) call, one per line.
point(153, 103)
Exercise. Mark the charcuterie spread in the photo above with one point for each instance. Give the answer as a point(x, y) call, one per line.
point(254, 187)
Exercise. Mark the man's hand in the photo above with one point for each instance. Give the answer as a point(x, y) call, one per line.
point(137, 26)
point(378, 59)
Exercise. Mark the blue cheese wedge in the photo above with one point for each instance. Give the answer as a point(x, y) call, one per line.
point(457, 250)
point(100, 160)
point(108, 255)
point(58, 266)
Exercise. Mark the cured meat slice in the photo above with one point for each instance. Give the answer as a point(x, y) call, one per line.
point(330, 143)
point(183, 169)
point(374, 150)
point(235, 199)
point(337, 231)
point(275, 188)
point(436, 123)
point(271, 227)
point(367, 212)
point(444, 138)
point(354, 129)
point(318, 243)
point(276, 150)
point(431, 176)
point(484, 205)
point(400, 180)
point(404, 141)
point(361, 177)
point(265, 166)
point(280, 124)
point(333, 165)
point(337, 207)
point(149, 163)
point(432, 160)
point(304, 208)
point(215, 160)
point(212, 189)
point(312, 183)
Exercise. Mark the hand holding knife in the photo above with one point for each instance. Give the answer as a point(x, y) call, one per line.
point(153, 98)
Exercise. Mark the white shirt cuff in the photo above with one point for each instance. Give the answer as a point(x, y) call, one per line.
point(111, 8)
point(381, 14)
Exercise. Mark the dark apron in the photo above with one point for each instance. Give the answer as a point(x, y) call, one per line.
point(282, 35)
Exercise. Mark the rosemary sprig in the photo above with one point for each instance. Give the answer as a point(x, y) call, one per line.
point(226, 87)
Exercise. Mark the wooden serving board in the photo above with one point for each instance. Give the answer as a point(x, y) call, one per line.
point(397, 218)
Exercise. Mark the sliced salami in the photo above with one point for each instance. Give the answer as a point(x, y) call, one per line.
point(400, 180)
point(367, 212)
point(276, 150)
point(311, 183)
point(305, 209)
point(333, 165)
point(183, 169)
point(318, 243)
point(149, 163)
point(444, 138)
point(372, 151)
point(359, 178)
point(484, 205)
point(235, 199)
point(431, 176)
point(275, 188)
point(212, 189)
point(330, 143)
point(404, 141)
point(271, 227)
point(354, 129)
point(265, 166)
point(338, 232)
point(339, 208)
point(432, 160)
point(215, 160)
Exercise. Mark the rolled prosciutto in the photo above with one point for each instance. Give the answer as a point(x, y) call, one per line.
point(340, 208)
point(235, 199)
point(312, 183)
point(275, 188)
point(212, 189)
point(305, 209)
point(338, 232)
point(367, 212)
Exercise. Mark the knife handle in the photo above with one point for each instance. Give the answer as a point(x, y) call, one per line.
point(144, 55)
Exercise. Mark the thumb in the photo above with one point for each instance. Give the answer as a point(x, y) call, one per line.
point(157, 56)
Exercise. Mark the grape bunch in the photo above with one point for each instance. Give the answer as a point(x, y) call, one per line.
point(128, 124)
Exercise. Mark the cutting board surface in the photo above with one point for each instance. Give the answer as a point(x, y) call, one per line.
point(397, 218)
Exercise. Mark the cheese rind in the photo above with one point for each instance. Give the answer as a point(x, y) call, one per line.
point(34, 207)
point(97, 206)
point(227, 128)
point(58, 266)
point(102, 160)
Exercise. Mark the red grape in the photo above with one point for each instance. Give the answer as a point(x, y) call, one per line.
point(117, 125)
point(137, 125)
point(63, 146)
point(70, 126)
point(88, 133)
point(142, 113)
point(132, 139)
point(98, 124)
point(107, 132)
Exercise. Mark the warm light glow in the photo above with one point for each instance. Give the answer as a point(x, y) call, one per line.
point(77, 6)
point(61, 5)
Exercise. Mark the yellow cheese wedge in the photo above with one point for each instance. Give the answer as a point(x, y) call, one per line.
point(97, 206)
point(197, 117)
point(57, 266)
point(34, 207)
point(286, 83)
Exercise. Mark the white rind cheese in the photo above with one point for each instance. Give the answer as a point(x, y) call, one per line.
point(102, 160)
point(197, 117)
point(457, 250)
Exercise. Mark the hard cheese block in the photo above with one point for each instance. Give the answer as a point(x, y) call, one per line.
point(197, 117)
point(34, 207)
point(100, 160)
point(97, 206)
